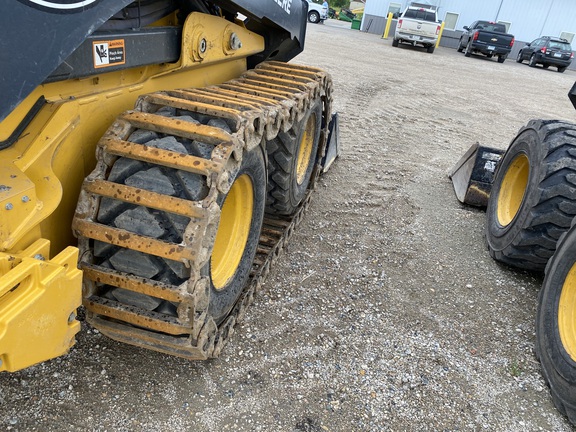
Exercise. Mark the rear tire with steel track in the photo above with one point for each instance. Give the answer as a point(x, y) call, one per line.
point(532, 201)
point(291, 160)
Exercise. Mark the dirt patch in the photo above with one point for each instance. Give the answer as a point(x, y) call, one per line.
point(385, 312)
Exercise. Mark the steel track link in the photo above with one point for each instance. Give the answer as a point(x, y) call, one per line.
point(256, 106)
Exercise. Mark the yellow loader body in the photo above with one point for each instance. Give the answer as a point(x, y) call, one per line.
point(42, 173)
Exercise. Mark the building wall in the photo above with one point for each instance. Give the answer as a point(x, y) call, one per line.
point(529, 19)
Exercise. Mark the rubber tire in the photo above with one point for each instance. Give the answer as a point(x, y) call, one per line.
point(222, 300)
point(519, 57)
point(284, 192)
point(460, 47)
point(501, 59)
point(532, 61)
point(314, 17)
point(558, 367)
point(395, 42)
point(548, 203)
point(430, 49)
point(468, 51)
point(170, 227)
point(561, 69)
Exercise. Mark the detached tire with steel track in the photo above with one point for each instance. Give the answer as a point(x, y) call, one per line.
point(555, 330)
point(291, 161)
point(532, 201)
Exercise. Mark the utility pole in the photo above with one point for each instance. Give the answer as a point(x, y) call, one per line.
point(498, 13)
point(546, 19)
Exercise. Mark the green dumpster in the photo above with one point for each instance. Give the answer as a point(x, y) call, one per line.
point(356, 24)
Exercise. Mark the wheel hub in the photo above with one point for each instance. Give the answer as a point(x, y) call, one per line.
point(512, 189)
point(233, 230)
point(567, 314)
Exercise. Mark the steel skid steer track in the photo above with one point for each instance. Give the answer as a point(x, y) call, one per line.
point(148, 215)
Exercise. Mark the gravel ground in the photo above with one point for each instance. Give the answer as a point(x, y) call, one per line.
point(385, 312)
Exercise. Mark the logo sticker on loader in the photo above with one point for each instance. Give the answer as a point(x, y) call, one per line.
point(108, 53)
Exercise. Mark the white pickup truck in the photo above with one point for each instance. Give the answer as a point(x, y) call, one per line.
point(418, 25)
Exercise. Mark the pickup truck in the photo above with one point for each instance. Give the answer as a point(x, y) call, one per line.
point(418, 24)
point(488, 38)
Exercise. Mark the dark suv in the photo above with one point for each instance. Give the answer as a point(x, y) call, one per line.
point(547, 51)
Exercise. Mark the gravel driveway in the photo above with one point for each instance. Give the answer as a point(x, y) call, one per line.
point(385, 312)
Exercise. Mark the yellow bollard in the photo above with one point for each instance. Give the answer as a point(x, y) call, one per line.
point(440, 35)
point(388, 24)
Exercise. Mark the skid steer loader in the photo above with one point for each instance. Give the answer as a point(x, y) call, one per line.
point(155, 156)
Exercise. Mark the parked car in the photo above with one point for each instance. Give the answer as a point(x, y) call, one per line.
point(488, 38)
point(316, 12)
point(547, 51)
point(418, 25)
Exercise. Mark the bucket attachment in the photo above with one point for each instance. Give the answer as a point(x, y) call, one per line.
point(572, 95)
point(333, 144)
point(473, 174)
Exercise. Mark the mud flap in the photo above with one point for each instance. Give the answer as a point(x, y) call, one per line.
point(333, 144)
point(473, 174)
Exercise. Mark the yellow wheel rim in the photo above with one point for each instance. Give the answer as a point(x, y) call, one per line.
point(512, 189)
point(567, 313)
point(233, 230)
point(305, 150)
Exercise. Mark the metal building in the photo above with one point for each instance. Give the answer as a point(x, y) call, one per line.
point(525, 19)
